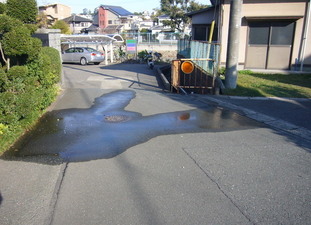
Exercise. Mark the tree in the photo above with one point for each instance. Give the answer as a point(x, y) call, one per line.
point(42, 20)
point(2, 8)
point(63, 26)
point(176, 10)
point(20, 46)
point(26, 11)
point(16, 43)
point(6, 25)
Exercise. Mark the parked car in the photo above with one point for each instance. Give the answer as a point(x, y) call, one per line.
point(82, 55)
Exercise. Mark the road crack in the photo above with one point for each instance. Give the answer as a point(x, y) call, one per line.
point(56, 193)
point(219, 187)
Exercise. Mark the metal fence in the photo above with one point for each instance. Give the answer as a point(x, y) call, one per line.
point(162, 38)
point(200, 50)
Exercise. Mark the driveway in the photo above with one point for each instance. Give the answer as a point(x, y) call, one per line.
point(175, 159)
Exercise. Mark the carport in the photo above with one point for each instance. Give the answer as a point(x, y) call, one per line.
point(105, 41)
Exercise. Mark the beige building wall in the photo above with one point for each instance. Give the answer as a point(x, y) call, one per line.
point(114, 19)
point(265, 10)
point(58, 11)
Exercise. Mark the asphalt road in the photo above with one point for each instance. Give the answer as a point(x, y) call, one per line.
point(222, 169)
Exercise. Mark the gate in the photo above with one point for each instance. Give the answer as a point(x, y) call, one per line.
point(204, 57)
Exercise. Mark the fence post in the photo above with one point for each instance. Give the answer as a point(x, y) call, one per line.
point(175, 76)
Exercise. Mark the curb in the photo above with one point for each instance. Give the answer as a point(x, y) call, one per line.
point(166, 84)
point(268, 120)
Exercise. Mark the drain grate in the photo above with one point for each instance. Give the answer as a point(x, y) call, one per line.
point(117, 118)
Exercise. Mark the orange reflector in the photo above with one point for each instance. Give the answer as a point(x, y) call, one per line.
point(187, 67)
point(184, 116)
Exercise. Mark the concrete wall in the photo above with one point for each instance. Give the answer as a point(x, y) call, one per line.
point(169, 52)
point(49, 37)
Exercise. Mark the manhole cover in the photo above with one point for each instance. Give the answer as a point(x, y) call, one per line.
point(117, 118)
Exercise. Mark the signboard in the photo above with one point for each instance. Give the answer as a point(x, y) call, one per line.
point(131, 46)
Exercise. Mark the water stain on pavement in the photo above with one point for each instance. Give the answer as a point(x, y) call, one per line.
point(106, 130)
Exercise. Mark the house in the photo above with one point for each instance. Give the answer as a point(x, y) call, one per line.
point(114, 19)
point(271, 33)
point(78, 24)
point(55, 12)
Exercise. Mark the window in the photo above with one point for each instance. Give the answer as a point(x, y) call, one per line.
point(70, 50)
point(282, 33)
point(271, 33)
point(200, 33)
point(109, 21)
point(258, 34)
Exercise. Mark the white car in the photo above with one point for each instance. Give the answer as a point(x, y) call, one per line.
point(82, 55)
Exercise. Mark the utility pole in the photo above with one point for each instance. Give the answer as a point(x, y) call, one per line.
point(233, 44)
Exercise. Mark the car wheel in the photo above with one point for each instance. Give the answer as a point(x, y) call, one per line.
point(83, 61)
point(96, 63)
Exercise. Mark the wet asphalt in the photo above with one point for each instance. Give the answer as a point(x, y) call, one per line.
point(116, 148)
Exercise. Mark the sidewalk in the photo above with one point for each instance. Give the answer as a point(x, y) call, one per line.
point(291, 115)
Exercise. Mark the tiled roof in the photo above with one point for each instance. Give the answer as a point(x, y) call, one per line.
point(76, 19)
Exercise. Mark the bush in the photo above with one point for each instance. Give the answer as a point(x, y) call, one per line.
point(25, 92)
point(3, 79)
point(54, 62)
point(30, 85)
point(46, 67)
point(2, 9)
point(63, 26)
point(20, 46)
point(15, 79)
point(26, 11)
point(142, 55)
point(8, 23)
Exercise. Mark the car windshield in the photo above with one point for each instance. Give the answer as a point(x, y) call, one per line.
point(91, 50)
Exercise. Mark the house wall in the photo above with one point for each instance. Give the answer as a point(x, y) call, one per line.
point(57, 11)
point(77, 27)
point(202, 18)
point(253, 8)
point(114, 18)
point(102, 18)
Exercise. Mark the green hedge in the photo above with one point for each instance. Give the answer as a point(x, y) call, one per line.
point(25, 92)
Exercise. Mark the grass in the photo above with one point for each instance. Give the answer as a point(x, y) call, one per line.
point(254, 84)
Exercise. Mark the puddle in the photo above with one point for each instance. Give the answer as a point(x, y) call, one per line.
point(106, 130)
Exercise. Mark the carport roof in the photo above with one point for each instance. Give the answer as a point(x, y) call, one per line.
point(90, 39)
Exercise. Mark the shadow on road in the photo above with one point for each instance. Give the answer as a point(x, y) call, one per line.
point(138, 69)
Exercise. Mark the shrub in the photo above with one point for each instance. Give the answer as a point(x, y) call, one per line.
point(26, 91)
point(26, 11)
point(3, 79)
point(46, 67)
point(54, 62)
point(7, 23)
point(29, 86)
point(142, 54)
point(20, 46)
point(15, 79)
point(63, 26)
point(2, 8)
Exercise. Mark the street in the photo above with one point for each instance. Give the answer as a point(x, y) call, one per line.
point(115, 148)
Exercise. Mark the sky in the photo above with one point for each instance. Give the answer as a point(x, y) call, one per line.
point(77, 6)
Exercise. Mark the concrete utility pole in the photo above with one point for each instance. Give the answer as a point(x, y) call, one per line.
point(233, 44)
